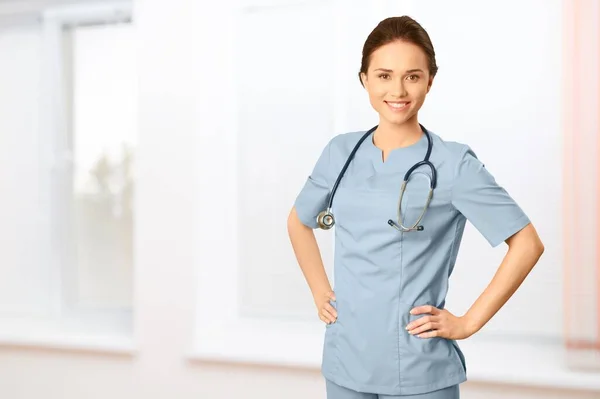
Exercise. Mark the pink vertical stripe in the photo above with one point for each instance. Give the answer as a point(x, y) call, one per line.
point(576, 12)
point(597, 53)
point(574, 132)
point(567, 162)
point(576, 271)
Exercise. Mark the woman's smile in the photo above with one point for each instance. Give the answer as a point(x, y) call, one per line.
point(397, 106)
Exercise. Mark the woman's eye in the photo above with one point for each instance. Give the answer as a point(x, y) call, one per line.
point(384, 75)
point(414, 78)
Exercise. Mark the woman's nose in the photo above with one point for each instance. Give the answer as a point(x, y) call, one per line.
point(399, 89)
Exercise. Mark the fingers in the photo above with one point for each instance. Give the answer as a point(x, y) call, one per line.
point(331, 295)
point(328, 314)
point(425, 309)
point(431, 334)
point(424, 328)
point(331, 309)
point(424, 324)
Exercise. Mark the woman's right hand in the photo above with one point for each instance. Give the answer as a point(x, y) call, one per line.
point(327, 313)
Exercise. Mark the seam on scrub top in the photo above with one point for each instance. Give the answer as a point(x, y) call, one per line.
point(460, 155)
point(433, 386)
point(399, 302)
point(452, 254)
point(328, 181)
point(336, 349)
point(514, 228)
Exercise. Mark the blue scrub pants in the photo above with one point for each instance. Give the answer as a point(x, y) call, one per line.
point(335, 391)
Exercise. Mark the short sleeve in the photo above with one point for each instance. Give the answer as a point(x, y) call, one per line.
point(314, 195)
point(487, 205)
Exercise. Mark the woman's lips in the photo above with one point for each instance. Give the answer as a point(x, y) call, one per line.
point(397, 106)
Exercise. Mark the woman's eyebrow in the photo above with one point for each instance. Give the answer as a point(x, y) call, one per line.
point(408, 71)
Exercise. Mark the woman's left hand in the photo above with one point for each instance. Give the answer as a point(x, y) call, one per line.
point(441, 322)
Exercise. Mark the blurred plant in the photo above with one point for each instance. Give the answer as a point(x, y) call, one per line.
point(113, 181)
point(104, 231)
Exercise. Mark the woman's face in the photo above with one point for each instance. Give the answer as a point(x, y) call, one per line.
point(397, 81)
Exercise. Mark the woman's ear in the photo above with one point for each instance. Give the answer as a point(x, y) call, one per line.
point(363, 79)
point(429, 84)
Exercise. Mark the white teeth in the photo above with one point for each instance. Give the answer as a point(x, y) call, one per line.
point(397, 105)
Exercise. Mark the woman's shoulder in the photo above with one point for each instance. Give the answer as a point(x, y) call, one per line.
point(347, 139)
point(342, 144)
point(451, 149)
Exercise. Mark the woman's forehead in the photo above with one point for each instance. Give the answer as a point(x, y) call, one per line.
point(399, 57)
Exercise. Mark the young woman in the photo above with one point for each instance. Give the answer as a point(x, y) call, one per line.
point(400, 206)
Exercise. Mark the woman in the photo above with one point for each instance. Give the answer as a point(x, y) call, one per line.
point(387, 332)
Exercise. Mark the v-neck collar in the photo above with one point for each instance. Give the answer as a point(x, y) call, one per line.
point(395, 155)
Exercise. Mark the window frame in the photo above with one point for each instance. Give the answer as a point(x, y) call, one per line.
point(65, 326)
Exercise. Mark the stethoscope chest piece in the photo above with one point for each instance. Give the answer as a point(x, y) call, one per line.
point(325, 220)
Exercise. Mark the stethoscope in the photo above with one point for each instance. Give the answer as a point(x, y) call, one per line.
point(326, 220)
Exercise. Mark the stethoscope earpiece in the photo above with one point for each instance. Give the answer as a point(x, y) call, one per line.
point(325, 220)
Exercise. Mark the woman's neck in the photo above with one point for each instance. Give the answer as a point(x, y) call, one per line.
point(390, 136)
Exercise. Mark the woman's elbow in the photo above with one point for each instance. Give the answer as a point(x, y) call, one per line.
point(528, 237)
point(541, 246)
point(537, 243)
point(293, 221)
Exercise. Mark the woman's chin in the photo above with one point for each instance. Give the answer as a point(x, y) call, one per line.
point(396, 119)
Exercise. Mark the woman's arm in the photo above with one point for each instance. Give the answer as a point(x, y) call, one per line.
point(524, 250)
point(309, 258)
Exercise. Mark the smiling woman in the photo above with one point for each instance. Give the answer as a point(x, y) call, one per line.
point(389, 333)
point(397, 86)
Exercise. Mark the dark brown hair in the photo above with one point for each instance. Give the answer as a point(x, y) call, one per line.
point(397, 28)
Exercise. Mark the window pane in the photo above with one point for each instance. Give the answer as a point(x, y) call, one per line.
point(24, 230)
point(104, 142)
point(266, 289)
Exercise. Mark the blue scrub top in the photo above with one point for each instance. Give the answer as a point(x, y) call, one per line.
point(380, 274)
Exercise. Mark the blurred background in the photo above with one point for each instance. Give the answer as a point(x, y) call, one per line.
point(150, 152)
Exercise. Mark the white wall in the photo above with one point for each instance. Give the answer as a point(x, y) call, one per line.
point(184, 79)
point(499, 90)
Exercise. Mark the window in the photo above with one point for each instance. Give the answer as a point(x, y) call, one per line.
point(67, 151)
point(103, 141)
